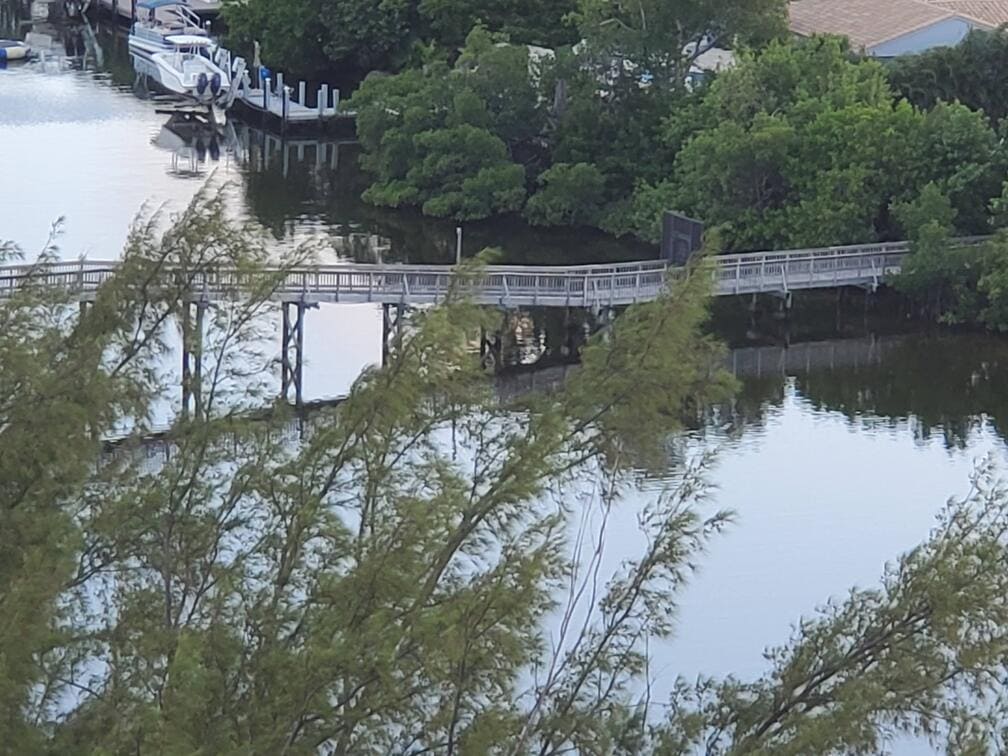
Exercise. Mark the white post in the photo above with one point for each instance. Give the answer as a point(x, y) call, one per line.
point(266, 90)
point(335, 101)
point(301, 92)
point(458, 245)
point(279, 82)
point(323, 100)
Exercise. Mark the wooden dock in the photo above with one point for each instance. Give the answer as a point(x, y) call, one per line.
point(265, 98)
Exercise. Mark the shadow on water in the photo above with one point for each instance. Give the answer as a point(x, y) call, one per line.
point(866, 363)
point(293, 179)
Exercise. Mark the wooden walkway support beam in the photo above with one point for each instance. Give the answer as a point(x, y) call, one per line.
point(292, 351)
point(393, 320)
point(193, 316)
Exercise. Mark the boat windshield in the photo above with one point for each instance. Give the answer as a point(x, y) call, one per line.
point(189, 41)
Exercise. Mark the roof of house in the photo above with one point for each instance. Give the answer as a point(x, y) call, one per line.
point(867, 23)
point(993, 12)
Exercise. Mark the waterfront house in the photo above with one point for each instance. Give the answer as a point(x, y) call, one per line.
point(993, 12)
point(893, 27)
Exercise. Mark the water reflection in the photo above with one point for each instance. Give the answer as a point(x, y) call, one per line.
point(194, 144)
point(932, 385)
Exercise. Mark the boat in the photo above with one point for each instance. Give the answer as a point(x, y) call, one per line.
point(169, 46)
point(128, 9)
point(12, 49)
point(159, 19)
point(187, 69)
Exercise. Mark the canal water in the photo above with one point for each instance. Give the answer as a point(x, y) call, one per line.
point(834, 463)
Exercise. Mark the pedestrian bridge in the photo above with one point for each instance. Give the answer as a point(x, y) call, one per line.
point(590, 286)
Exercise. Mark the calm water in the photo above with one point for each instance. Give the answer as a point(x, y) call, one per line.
point(834, 465)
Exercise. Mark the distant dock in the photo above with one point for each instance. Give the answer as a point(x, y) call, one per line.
point(274, 104)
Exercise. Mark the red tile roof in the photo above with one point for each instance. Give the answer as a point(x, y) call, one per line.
point(867, 23)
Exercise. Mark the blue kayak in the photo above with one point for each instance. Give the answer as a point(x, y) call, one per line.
point(12, 49)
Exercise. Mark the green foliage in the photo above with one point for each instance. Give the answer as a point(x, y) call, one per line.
point(384, 582)
point(502, 76)
point(942, 276)
point(531, 22)
point(357, 36)
point(614, 133)
point(445, 140)
point(803, 145)
point(570, 195)
point(661, 39)
point(315, 36)
point(971, 72)
point(880, 661)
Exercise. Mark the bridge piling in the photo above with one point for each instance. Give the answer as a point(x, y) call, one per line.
point(193, 316)
point(292, 338)
point(393, 316)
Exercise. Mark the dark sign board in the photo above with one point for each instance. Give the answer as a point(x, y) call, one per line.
point(681, 237)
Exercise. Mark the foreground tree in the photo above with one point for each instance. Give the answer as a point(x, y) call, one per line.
point(387, 582)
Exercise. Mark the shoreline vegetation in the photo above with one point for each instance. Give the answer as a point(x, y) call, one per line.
point(580, 113)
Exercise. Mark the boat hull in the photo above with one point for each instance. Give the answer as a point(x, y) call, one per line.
point(208, 88)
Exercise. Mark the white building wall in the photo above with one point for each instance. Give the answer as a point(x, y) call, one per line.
point(941, 34)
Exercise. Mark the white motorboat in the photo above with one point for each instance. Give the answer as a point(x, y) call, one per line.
point(187, 69)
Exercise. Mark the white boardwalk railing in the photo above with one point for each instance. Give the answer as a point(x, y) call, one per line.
point(513, 285)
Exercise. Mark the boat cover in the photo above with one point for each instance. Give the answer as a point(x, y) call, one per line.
point(155, 4)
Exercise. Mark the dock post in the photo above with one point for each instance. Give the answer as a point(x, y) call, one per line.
point(301, 93)
point(266, 89)
point(393, 316)
point(284, 109)
point(279, 82)
point(323, 100)
point(335, 101)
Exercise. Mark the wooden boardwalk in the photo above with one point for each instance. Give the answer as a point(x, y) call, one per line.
point(589, 286)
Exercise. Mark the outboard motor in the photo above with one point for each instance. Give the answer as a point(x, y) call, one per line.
point(215, 83)
point(201, 83)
